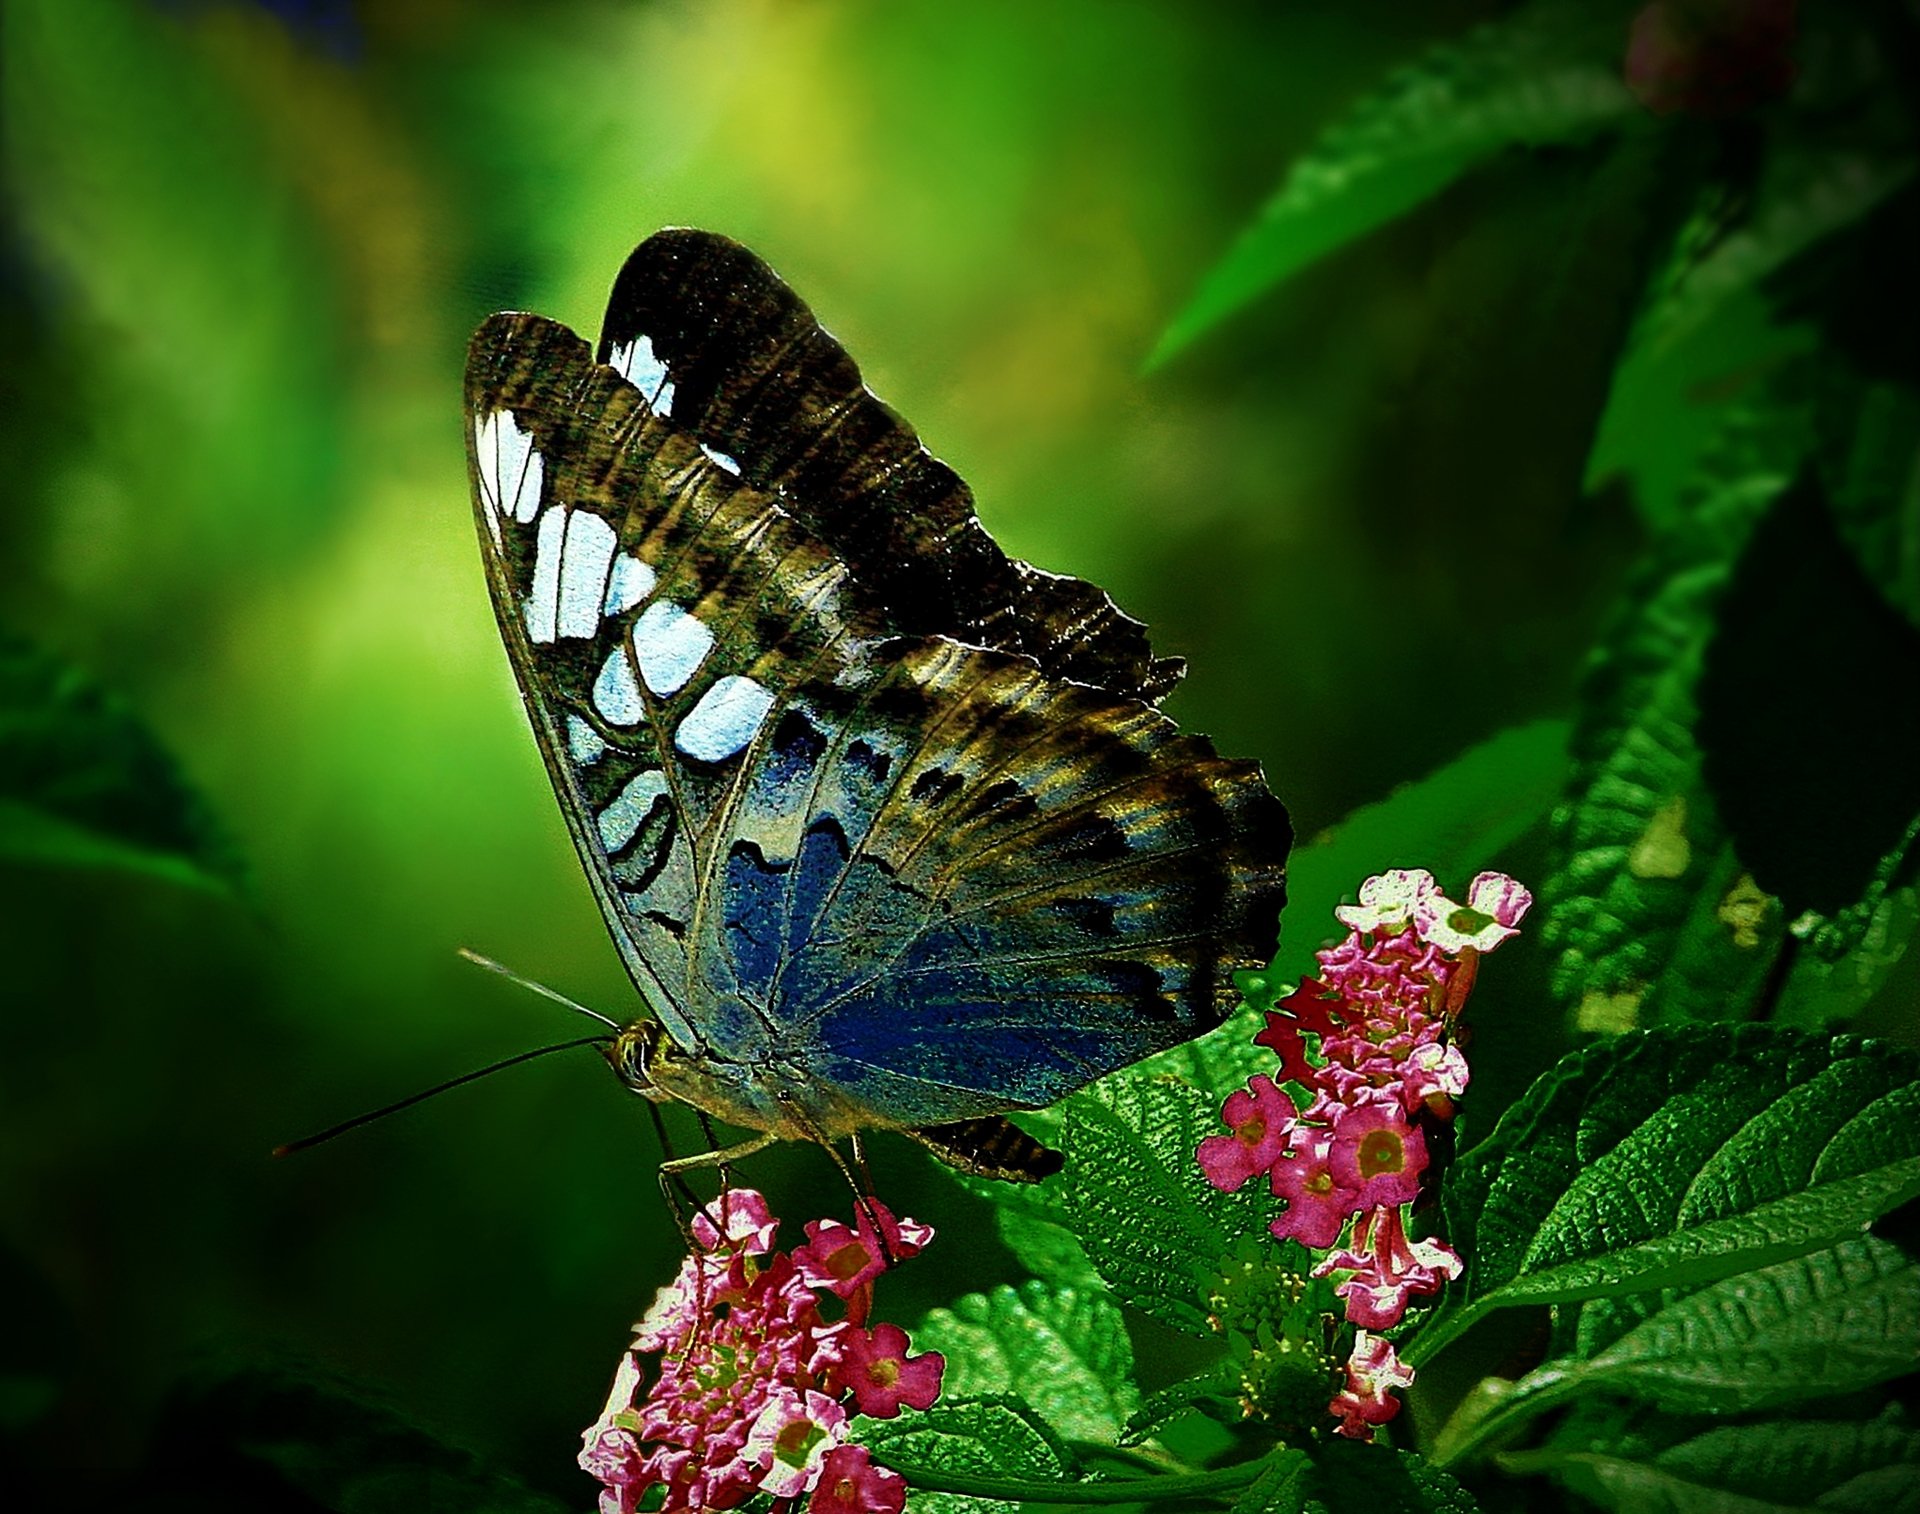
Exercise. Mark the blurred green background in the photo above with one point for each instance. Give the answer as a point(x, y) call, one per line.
point(244, 247)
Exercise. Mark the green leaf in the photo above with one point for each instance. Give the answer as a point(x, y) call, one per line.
point(1215, 1392)
point(1548, 73)
point(1869, 459)
point(1812, 1327)
point(1819, 992)
point(1000, 1437)
point(1819, 794)
point(1281, 1487)
point(1673, 1159)
point(83, 782)
point(1662, 1463)
point(1453, 822)
point(1350, 1477)
point(1045, 1248)
point(1653, 914)
point(1137, 1199)
point(1064, 1351)
point(1804, 197)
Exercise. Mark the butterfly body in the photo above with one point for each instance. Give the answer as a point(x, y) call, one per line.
point(885, 825)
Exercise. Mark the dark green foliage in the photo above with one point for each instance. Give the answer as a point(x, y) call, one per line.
point(83, 783)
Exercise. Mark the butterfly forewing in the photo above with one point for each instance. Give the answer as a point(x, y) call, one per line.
point(651, 607)
point(752, 375)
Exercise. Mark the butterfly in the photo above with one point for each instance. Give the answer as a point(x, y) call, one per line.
point(886, 826)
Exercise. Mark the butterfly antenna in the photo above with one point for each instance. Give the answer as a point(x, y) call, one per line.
point(539, 988)
point(439, 1088)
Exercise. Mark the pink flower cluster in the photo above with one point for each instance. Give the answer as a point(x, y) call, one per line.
point(755, 1385)
point(1380, 1017)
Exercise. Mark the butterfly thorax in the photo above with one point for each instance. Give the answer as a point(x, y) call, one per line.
point(766, 1095)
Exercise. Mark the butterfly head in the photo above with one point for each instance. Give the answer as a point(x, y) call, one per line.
point(634, 1052)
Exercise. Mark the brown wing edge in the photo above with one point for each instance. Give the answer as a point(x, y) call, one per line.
point(990, 1147)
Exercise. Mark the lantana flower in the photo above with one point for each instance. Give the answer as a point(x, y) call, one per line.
point(1367, 1065)
point(1373, 1372)
point(755, 1386)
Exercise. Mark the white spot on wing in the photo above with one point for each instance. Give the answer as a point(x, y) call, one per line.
point(615, 695)
point(636, 363)
point(669, 644)
point(622, 817)
point(724, 720)
point(632, 582)
point(583, 573)
point(544, 602)
point(486, 452)
point(518, 471)
point(583, 742)
point(721, 460)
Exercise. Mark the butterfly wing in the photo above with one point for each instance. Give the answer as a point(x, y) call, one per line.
point(649, 605)
point(753, 376)
point(841, 849)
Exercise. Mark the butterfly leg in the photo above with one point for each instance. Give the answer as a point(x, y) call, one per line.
point(863, 1194)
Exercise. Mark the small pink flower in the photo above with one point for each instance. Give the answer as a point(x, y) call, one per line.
point(610, 1451)
point(1260, 1117)
point(1317, 1206)
point(1388, 1270)
point(1373, 1372)
point(1388, 901)
point(852, 1483)
point(1495, 905)
point(1432, 1070)
point(790, 1438)
point(1376, 1154)
point(674, 1312)
point(738, 1220)
point(844, 1260)
point(874, 1366)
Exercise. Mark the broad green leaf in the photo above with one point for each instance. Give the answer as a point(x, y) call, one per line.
point(1044, 1247)
point(84, 783)
point(1348, 1477)
point(1453, 822)
point(1214, 1392)
point(1818, 992)
point(1869, 459)
point(1031, 1217)
point(997, 1437)
point(1281, 1487)
point(1136, 1198)
point(1664, 1464)
point(1812, 1327)
point(1548, 73)
point(1675, 1158)
point(1654, 916)
point(1708, 326)
point(1804, 197)
point(1819, 791)
point(1064, 1351)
